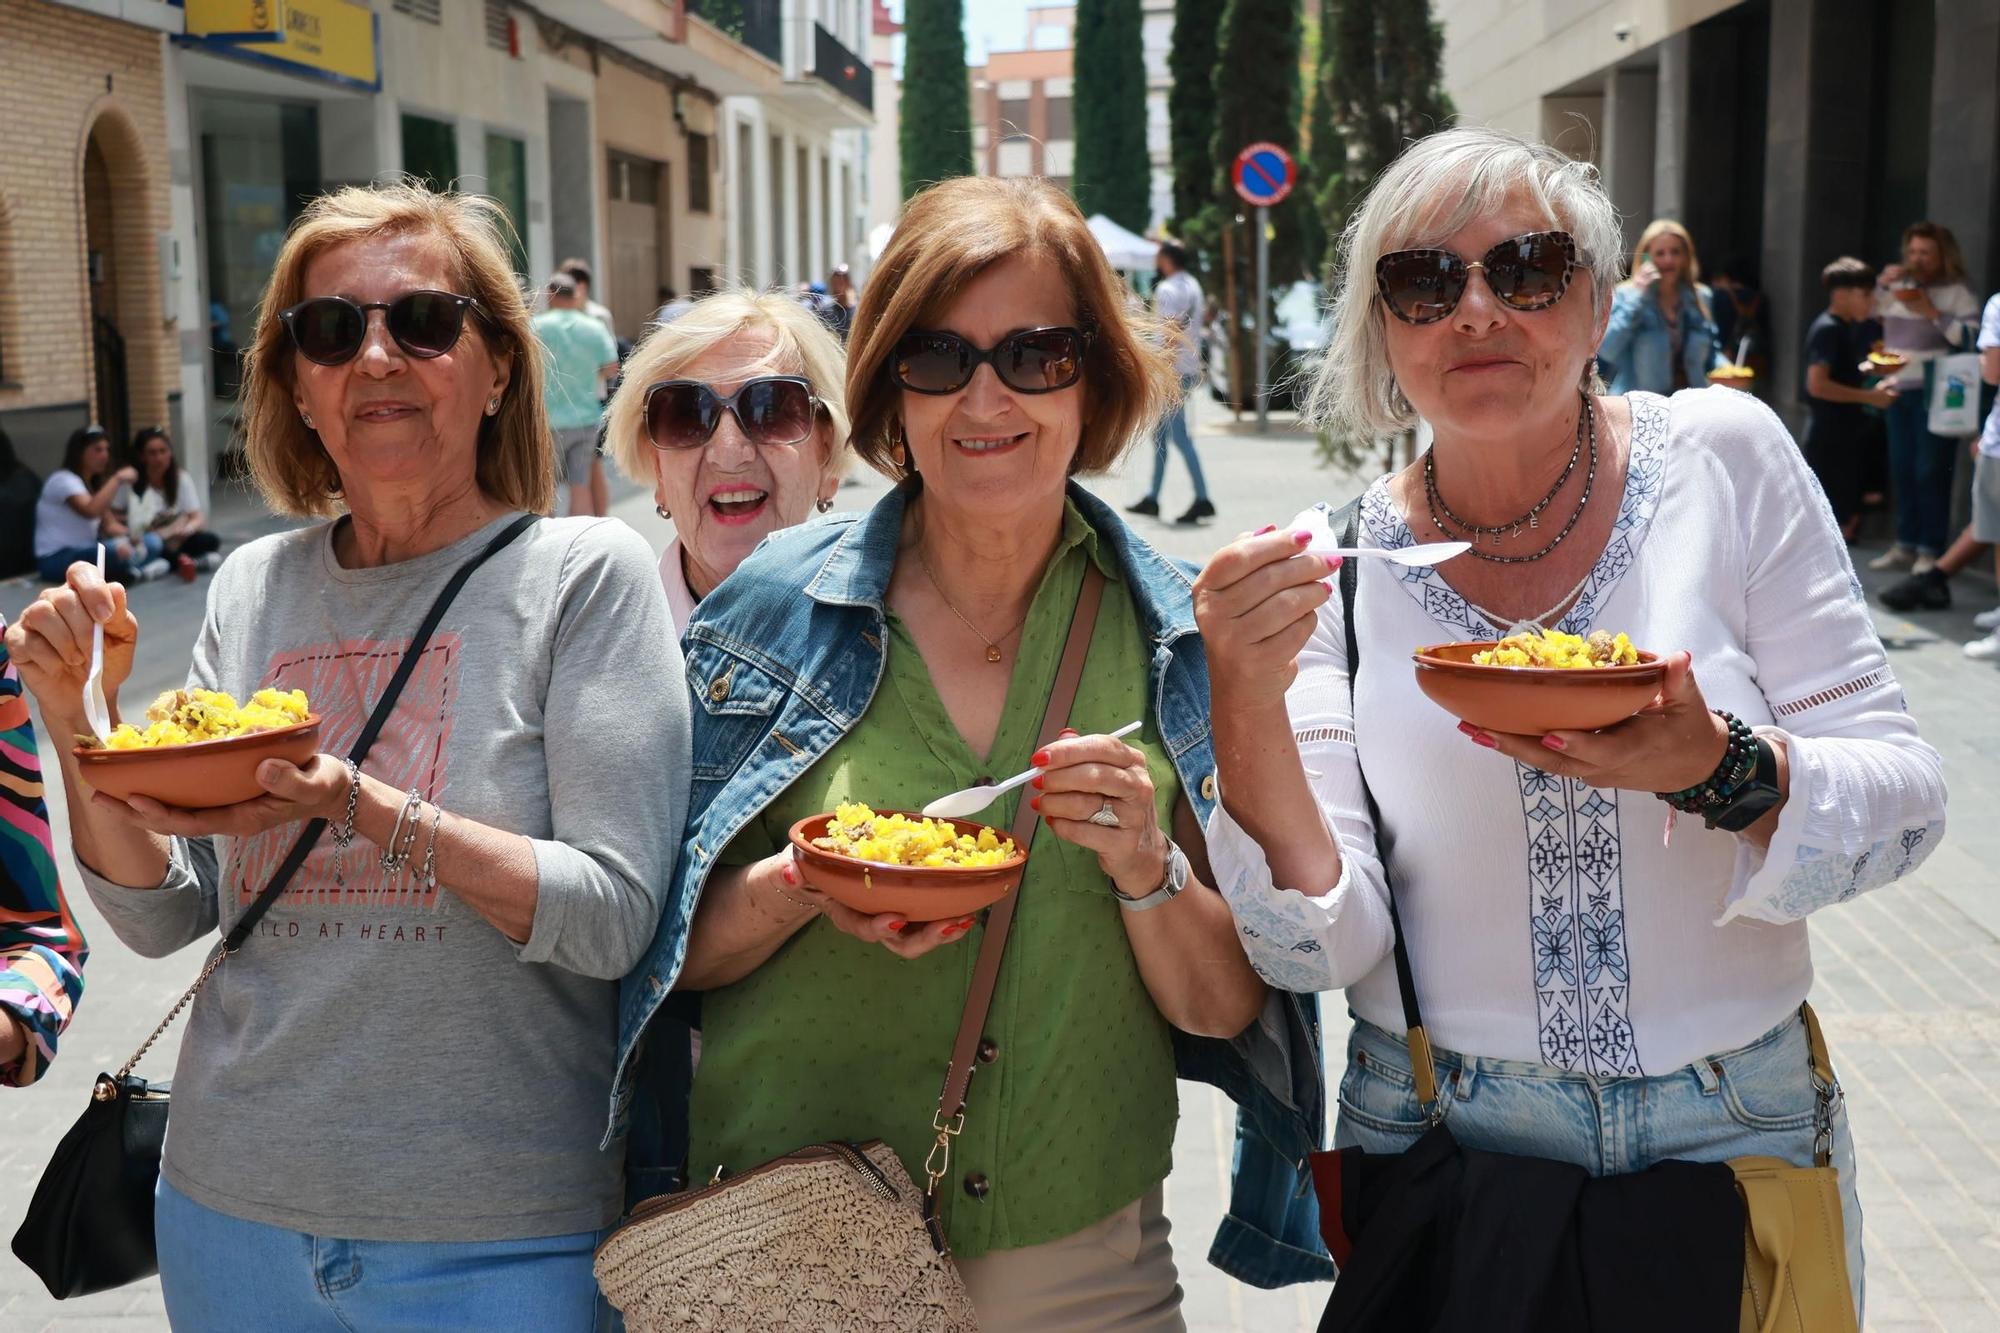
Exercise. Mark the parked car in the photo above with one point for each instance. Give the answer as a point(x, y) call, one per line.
point(1296, 338)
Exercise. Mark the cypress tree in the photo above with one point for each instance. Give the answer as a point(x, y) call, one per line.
point(1256, 81)
point(1382, 73)
point(935, 133)
point(1191, 107)
point(1112, 174)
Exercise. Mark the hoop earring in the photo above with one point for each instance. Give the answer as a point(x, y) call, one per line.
point(661, 510)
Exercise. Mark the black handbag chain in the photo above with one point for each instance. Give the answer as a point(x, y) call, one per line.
point(107, 1086)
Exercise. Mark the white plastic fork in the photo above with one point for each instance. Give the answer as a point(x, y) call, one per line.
point(94, 708)
point(974, 799)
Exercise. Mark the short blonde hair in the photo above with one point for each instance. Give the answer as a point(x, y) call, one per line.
point(950, 232)
point(291, 467)
point(1436, 188)
point(800, 345)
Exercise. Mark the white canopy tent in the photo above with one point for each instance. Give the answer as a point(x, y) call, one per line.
point(1125, 249)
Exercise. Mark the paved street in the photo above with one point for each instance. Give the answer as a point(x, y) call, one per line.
point(1908, 976)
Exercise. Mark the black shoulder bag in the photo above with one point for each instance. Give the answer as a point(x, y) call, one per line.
point(89, 1227)
point(1445, 1237)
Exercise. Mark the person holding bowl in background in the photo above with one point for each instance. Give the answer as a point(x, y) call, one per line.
point(734, 415)
point(909, 652)
point(384, 1107)
point(1595, 994)
point(1660, 335)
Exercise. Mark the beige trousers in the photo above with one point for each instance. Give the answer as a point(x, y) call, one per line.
point(1115, 1274)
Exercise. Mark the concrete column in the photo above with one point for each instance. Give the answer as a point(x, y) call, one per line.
point(1670, 130)
point(791, 245)
point(764, 270)
point(814, 242)
point(184, 300)
point(1817, 127)
point(1964, 185)
point(1630, 96)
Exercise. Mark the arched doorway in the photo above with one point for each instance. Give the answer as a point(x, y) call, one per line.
point(121, 277)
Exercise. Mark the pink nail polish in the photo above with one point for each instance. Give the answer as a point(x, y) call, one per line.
point(1334, 562)
point(1302, 539)
point(1268, 527)
point(1554, 742)
point(1481, 738)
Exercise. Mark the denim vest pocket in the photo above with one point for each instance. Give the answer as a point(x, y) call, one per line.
point(735, 703)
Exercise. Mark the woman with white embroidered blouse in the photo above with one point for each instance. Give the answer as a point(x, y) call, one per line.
point(1598, 992)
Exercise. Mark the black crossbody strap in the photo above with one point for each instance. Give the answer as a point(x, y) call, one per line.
point(376, 721)
point(1348, 523)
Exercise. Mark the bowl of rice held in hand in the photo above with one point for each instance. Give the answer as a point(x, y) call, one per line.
point(200, 749)
point(897, 861)
point(1543, 681)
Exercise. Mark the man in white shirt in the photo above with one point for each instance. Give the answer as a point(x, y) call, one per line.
point(1177, 301)
point(1986, 479)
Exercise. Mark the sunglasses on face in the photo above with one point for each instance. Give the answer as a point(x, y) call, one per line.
point(1528, 272)
point(772, 410)
point(1031, 361)
point(329, 330)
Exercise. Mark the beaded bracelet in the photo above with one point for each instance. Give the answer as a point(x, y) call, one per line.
point(1739, 761)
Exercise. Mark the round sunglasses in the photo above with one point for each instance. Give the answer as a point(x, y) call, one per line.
point(770, 410)
point(1031, 361)
point(1528, 272)
point(330, 330)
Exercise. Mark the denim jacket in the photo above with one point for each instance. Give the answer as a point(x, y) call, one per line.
point(783, 659)
point(1637, 352)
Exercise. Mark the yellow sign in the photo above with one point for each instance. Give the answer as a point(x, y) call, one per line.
point(335, 39)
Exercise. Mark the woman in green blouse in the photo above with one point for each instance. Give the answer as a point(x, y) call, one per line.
point(991, 360)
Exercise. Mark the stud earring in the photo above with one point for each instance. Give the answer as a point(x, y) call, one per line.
point(825, 503)
point(492, 406)
point(308, 419)
point(661, 510)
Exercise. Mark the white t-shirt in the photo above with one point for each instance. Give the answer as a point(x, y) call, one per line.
point(57, 526)
point(1546, 920)
point(1989, 337)
point(144, 512)
point(1177, 299)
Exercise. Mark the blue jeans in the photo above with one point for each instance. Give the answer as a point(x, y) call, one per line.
point(1920, 468)
point(54, 567)
point(1175, 427)
point(220, 1273)
point(1757, 1100)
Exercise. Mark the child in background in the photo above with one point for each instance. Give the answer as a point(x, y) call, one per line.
point(1837, 429)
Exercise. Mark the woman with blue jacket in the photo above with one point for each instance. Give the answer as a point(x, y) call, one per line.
point(909, 652)
point(1661, 334)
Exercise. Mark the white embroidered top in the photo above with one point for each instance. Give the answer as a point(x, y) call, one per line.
point(1546, 920)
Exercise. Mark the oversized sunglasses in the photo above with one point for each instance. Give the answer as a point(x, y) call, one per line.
point(1031, 361)
point(329, 330)
point(1528, 272)
point(771, 410)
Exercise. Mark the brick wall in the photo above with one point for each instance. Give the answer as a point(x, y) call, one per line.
point(54, 66)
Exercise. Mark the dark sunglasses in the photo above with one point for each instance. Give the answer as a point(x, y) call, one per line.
point(1528, 272)
point(772, 410)
point(329, 330)
point(1031, 361)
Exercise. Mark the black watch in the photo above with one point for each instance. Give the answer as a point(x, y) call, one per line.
point(1754, 796)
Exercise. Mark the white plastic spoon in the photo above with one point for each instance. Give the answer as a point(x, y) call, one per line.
point(94, 708)
point(974, 799)
point(1427, 553)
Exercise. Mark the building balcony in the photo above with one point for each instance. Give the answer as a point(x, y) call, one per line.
point(843, 70)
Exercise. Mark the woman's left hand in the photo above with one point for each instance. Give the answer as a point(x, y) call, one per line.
point(1082, 775)
point(1672, 744)
point(316, 790)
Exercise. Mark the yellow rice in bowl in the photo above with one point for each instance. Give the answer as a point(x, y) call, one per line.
point(897, 840)
point(184, 717)
point(1568, 652)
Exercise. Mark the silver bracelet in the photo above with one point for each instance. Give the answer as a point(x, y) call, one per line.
point(393, 858)
point(427, 877)
point(343, 832)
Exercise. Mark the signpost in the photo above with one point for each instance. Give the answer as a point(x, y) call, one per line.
point(1264, 175)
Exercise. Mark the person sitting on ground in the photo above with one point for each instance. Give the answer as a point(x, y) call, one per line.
point(1837, 433)
point(163, 508)
point(69, 518)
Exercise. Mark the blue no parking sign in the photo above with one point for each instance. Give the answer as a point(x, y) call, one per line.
point(1264, 174)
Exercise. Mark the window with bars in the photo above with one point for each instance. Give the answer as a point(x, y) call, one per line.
point(497, 35)
point(423, 11)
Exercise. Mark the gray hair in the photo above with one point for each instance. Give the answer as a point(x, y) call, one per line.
point(1438, 186)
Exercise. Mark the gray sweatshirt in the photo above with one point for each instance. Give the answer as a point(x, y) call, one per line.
point(377, 1062)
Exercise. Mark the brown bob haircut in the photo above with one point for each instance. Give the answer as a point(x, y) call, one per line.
point(287, 461)
point(946, 236)
point(1950, 258)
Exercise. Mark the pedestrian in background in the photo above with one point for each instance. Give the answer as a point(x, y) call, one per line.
point(1742, 317)
point(579, 352)
point(41, 949)
point(579, 273)
point(1926, 311)
point(20, 488)
point(840, 286)
point(1661, 335)
point(1177, 302)
point(163, 508)
point(1837, 425)
point(76, 499)
point(672, 306)
point(1986, 479)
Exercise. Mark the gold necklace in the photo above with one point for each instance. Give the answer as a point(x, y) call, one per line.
point(993, 653)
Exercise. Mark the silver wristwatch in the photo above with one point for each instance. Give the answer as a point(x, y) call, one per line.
point(1171, 884)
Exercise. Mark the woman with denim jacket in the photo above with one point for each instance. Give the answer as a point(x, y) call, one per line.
point(1661, 334)
point(907, 653)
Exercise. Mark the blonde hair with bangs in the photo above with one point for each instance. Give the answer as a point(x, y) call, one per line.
point(516, 456)
point(1438, 186)
point(946, 236)
point(800, 345)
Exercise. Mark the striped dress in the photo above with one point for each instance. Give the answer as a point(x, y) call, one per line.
point(41, 949)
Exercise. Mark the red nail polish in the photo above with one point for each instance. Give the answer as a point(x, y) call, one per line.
point(1467, 729)
point(898, 924)
point(1481, 738)
point(1268, 527)
point(1554, 742)
point(1037, 782)
point(789, 873)
point(967, 923)
point(1040, 759)
point(1034, 803)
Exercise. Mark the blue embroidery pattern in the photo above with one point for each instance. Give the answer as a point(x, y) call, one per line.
point(1574, 859)
point(1819, 878)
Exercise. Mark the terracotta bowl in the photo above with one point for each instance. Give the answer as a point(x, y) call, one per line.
point(1528, 701)
point(1733, 377)
point(915, 893)
point(200, 776)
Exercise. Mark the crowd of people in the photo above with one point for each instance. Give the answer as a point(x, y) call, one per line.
point(554, 953)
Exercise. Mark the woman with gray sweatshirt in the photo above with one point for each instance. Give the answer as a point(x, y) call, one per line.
point(388, 1102)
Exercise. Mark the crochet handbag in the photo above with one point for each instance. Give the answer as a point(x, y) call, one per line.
point(834, 1235)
